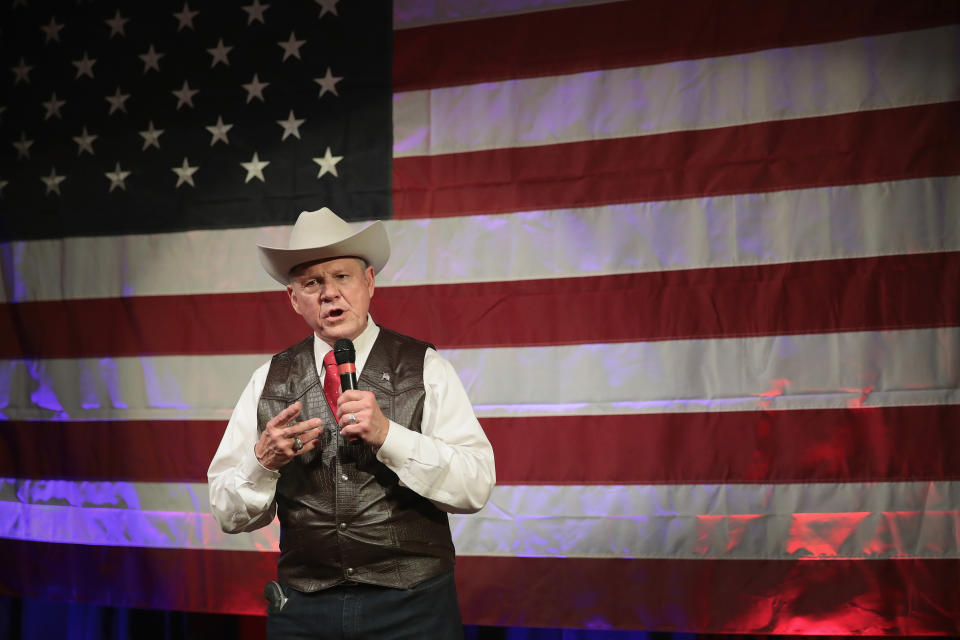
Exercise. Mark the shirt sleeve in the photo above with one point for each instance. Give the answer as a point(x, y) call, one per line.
point(450, 462)
point(241, 489)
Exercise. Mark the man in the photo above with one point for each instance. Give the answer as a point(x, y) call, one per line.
point(361, 484)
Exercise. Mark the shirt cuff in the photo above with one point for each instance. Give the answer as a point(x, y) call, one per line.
point(397, 447)
point(254, 472)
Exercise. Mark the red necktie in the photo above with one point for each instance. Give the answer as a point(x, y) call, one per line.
point(331, 380)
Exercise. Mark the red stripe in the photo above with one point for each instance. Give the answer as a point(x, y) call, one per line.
point(135, 450)
point(175, 579)
point(821, 445)
point(716, 596)
point(893, 596)
point(907, 291)
point(625, 34)
point(862, 445)
point(869, 146)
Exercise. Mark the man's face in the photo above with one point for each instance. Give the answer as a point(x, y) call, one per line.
point(333, 297)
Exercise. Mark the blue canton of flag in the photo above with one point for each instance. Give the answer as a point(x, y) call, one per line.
point(153, 117)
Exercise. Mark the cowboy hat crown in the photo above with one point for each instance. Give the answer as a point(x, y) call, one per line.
point(321, 235)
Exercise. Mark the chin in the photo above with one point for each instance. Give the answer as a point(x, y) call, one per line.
point(341, 331)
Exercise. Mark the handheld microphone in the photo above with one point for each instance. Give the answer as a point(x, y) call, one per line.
point(346, 357)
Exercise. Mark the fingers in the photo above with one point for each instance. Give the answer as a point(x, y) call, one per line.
point(285, 427)
point(283, 439)
point(310, 440)
point(360, 417)
point(284, 416)
point(296, 428)
point(356, 402)
point(311, 436)
point(353, 406)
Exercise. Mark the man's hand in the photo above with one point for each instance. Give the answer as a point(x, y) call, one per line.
point(359, 416)
point(277, 444)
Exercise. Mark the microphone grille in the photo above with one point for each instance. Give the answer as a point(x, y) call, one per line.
point(344, 351)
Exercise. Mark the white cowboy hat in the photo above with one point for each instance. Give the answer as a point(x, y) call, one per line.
point(319, 235)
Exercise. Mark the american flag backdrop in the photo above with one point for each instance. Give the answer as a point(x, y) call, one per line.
point(696, 262)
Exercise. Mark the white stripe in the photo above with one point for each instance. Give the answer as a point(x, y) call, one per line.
point(185, 497)
point(131, 388)
point(851, 520)
point(880, 72)
point(884, 218)
point(809, 371)
point(419, 13)
point(848, 520)
point(127, 528)
point(833, 370)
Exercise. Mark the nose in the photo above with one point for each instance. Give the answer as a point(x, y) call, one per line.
point(329, 293)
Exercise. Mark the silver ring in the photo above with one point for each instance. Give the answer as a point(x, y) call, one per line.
point(297, 444)
point(353, 418)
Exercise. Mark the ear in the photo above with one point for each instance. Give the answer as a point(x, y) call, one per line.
point(368, 277)
point(293, 298)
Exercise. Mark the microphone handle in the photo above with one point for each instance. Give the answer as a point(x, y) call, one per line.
point(348, 380)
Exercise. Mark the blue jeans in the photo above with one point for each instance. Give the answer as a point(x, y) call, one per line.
point(428, 610)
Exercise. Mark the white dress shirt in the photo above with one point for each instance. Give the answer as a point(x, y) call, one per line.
point(450, 462)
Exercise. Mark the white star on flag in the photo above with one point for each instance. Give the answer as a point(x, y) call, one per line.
point(23, 146)
point(117, 23)
point(84, 66)
point(151, 137)
point(51, 31)
point(185, 173)
point(291, 47)
point(85, 142)
point(219, 131)
point(254, 168)
point(21, 72)
point(53, 107)
point(117, 177)
point(117, 101)
point(255, 12)
point(185, 18)
point(255, 89)
point(291, 126)
point(328, 83)
point(185, 95)
point(219, 54)
point(328, 164)
point(327, 6)
point(53, 181)
point(151, 59)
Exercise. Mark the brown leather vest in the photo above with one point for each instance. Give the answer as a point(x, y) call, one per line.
point(343, 515)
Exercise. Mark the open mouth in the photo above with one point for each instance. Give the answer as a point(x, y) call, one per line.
point(335, 313)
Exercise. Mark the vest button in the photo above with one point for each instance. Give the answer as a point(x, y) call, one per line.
point(349, 571)
point(343, 526)
point(344, 477)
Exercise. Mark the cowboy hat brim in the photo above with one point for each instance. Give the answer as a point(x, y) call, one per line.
point(370, 243)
